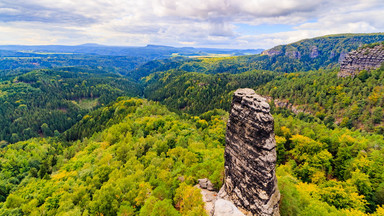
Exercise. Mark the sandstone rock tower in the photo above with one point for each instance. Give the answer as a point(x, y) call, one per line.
point(250, 156)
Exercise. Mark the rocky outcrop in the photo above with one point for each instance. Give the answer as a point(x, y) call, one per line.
point(362, 59)
point(214, 205)
point(314, 52)
point(342, 57)
point(293, 54)
point(272, 52)
point(226, 208)
point(209, 199)
point(286, 105)
point(206, 184)
point(250, 156)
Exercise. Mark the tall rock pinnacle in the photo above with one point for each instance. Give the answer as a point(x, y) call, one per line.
point(250, 156)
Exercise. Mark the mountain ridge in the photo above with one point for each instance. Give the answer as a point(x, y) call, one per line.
point(319, 52)
point(99, 49)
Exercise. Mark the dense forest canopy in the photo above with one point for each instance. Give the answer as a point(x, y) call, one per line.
point(48, 102)
point(352, 102)
point(145, 161)
point(196, 93)
point(82, 140)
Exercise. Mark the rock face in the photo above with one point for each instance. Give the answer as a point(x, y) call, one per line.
point(314, 52)
point(250, 156)
point(362, 59)
point(206, 184)
point(293, 54)
point(272, 52)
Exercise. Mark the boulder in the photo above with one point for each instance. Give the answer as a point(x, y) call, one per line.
point(226, 208)
point(206, 184)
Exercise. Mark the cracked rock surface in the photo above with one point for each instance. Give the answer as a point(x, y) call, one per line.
point(362, 59)
point(250, 155)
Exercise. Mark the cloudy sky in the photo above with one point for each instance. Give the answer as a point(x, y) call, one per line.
point(198, 23)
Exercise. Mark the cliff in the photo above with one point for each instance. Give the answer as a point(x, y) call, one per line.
point(250, 155)
point(314, 53)
point(324, 47)
point(362, 59)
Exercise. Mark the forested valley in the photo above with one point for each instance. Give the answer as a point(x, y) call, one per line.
point(86, 140)
point(47, 102)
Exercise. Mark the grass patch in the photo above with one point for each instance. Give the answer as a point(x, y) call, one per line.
point(87, 103)
point(211, 56)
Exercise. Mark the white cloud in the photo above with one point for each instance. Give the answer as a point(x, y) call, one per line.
point(180, 22)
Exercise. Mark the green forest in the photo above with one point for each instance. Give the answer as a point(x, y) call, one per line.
point(93, 140)
point(352, 102)
point(144, 160)
point(47, 102)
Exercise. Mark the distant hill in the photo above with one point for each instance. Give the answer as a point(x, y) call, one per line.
point(149, 51)
point(115, 59)
point(311, 54)
point(305, 55)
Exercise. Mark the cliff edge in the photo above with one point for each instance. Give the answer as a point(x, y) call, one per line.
point(362, 59)
point(250, 156)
